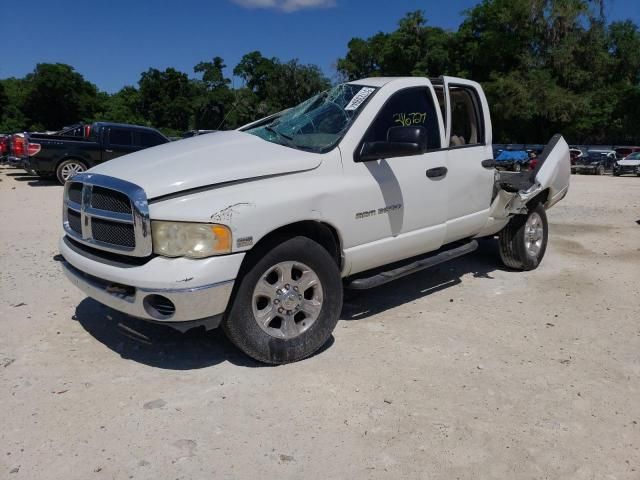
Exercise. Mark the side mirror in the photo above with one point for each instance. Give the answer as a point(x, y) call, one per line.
point(401, 142)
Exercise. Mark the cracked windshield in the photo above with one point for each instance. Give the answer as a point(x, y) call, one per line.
point(319, 123)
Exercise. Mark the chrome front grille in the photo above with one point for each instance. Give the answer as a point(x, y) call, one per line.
point(73, 218)
point(108, 214)
point(113, 233)
point(110, 200)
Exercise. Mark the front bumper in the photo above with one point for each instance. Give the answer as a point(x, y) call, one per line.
point(164, 290)
point(584, 168)
point(14, 161)
point(622, 169)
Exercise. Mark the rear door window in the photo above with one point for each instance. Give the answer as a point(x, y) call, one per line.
point(121, 137)
point(466, 124)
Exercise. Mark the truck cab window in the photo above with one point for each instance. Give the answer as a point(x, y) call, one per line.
point(408, 107)
point(118, 136)
point(148, 139)
point(465, 117)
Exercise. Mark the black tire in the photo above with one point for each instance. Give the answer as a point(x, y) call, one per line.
point(241, 325)
point(71, 162)
point(517, 167)
point(600, 170)
point(513, 248)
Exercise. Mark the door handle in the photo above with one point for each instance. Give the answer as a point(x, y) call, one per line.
point(437, 172)
point(109, 151)
point(489, 163)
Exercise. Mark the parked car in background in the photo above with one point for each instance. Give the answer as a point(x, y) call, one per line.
point(65, 156)
point(596, 162)
point(17, 150)
point(575, 154)
point(630, 164)
point(515, 160)
point(623, 152)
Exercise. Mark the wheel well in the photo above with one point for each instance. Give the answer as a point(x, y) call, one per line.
point(542, 198)
point(71, 158)
point(322, 233)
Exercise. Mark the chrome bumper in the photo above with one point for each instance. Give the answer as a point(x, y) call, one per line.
point(190, 304)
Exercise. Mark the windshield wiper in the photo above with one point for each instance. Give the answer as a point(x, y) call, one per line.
point(287, 138)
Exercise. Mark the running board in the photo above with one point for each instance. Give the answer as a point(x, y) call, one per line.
point(386, 277)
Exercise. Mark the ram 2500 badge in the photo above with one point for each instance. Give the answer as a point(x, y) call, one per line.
point(259, 230)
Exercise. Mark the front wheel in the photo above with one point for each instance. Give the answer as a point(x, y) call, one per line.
point(523, 242)
point(68, 169)
point(287, 303)
point(600, 170)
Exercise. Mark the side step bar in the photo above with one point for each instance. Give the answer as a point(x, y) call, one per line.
point(386, 277)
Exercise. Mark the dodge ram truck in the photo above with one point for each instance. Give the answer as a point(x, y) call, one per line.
point(74, 151)
point(259, 230)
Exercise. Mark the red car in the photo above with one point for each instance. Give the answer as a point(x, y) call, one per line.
point(622, 152)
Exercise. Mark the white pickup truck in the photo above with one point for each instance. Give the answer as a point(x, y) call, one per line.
point(260, 229)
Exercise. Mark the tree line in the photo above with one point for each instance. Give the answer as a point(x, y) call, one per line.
point(547, 66)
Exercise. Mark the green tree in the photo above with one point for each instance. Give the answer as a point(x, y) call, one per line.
point(166, 98)
point(57, 95)
point(413, 49)
point(124, 107)
point(213, 97)
point(4, 101)
point(12, 118)
point(278, 85)
point(256, 71)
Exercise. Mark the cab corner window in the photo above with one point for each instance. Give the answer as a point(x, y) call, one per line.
point(466, 127)
point(409, 107)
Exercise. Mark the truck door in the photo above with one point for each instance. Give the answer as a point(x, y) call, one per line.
point(468, 142)
point(397, 206)
point(117, 142)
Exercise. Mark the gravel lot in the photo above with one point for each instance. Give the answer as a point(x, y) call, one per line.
point(462, 371)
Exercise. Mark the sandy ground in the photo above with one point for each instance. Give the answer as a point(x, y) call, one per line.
point(464, 371)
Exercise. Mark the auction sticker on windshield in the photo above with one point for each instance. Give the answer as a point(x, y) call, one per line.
point(359, 98)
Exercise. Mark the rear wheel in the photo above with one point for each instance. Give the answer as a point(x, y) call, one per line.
point(523, 242)
point(68, 169)
point(287, 304)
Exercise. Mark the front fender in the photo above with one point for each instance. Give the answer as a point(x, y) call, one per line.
point(254, 209)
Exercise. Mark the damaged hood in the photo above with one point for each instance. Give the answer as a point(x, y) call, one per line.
point(206, 160)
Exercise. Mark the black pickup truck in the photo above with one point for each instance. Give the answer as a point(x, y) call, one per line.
point(65, 156)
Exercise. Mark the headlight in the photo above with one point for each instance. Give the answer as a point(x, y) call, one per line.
point(195, 240)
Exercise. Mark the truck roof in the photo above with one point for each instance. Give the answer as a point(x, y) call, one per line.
point(382, 81)
point(123, 125)
point(375, 81)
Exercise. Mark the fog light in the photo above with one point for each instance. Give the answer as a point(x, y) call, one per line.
point(159, 307)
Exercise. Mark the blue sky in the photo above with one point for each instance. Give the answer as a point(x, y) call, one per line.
point(112, 42)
